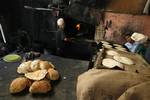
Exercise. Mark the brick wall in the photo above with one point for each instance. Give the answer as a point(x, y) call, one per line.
point(128, 22)
point(121, 23)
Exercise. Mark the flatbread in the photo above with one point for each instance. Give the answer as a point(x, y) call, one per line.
point(117, 45)
point(110, 63)
point(37, 75)
point(35, 65)
point(104, 42)
point(111, 53)
point(123, 60)
point(24, 67)
point(107, 46)
point(121, 49)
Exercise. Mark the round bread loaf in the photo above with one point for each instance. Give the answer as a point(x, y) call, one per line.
point(45, 65)
point(52, 74)
point(42, 86)
point(18, 85)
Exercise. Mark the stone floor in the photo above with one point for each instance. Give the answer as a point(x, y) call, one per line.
point(64, 89)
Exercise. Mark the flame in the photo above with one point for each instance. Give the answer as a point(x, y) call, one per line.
point(78, 27)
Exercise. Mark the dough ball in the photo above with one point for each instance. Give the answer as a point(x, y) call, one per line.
point(61, 23)
point(42, 86)
point(18, 85)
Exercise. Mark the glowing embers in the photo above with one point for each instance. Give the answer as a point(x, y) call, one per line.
point(78, 27)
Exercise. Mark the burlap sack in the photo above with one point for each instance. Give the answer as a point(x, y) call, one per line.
point(138, 92)
point(103, 84)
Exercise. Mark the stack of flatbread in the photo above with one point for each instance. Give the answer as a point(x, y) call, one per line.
point(115, 59)
point(106, 44)
point(111, 63)
point(119, 47)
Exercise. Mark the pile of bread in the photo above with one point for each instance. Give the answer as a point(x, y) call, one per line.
point(116, 60)
point(37, 76)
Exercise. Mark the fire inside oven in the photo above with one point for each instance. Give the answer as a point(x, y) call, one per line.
point(75, 28)
point(78, 27)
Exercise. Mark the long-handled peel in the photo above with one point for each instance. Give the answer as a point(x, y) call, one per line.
point(2, 33)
